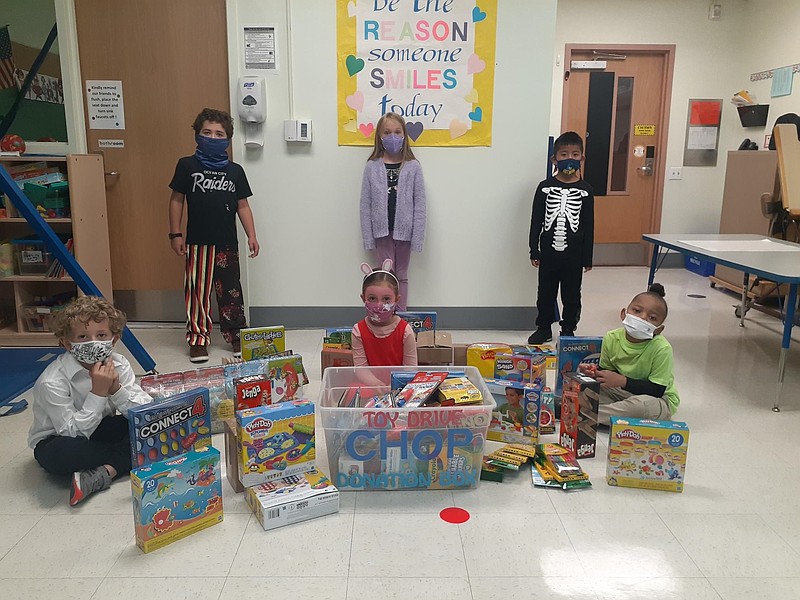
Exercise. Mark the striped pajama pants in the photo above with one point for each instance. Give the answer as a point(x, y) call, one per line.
point(217, 266)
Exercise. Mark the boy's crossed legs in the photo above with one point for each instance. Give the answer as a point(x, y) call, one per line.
point(616, 402)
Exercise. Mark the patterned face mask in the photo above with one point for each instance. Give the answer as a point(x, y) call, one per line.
point(91, 352)
point(568, 166)
point(378, 312)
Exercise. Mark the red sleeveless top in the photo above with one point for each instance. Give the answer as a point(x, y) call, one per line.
point(386, 351)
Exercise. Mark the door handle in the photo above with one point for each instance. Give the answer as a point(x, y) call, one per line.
point(111, 173)
point(649, 162)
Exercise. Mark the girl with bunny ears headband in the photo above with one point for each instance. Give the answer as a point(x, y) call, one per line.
point(380, 291)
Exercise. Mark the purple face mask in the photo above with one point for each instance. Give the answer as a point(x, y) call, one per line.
point(378, 312)
point(393, 143)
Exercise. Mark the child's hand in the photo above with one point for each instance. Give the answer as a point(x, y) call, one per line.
point(252, 243)
point(611, 379)
point(103, 375)
point(589, 369)
point(178, 246)
point(115, 385)
point(535, 263)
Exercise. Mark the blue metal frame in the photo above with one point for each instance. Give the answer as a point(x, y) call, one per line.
point(54, 244)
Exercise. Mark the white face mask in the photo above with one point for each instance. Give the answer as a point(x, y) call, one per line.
point(638, 328)
point(91, 352)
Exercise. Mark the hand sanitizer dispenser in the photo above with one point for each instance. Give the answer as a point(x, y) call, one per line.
point(252, 107)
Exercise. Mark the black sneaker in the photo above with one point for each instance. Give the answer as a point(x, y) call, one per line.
point(567, 333)
point(86, 483)
point(540, 336)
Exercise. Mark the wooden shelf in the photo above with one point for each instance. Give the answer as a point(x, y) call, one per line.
point(21, 220)
point(66, 278)
point(34, 158)
point(11, 337)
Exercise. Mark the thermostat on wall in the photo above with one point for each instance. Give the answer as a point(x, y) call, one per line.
point(297, 131)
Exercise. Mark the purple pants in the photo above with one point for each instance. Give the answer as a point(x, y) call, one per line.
point(400, 253)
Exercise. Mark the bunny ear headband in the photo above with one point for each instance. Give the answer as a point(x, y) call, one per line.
point(386, 267)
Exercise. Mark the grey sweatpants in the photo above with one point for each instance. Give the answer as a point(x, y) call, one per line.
point(616, 402)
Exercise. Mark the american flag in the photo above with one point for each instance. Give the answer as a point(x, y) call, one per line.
point(6, 60)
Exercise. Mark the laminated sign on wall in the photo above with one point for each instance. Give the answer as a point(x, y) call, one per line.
point(431, 61)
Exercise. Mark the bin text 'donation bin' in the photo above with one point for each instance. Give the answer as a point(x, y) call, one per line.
point(401, 448)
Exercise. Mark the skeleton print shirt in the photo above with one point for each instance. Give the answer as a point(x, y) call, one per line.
point(562, 221)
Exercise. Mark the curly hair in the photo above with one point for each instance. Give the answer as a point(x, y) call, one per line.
point(84, 309)
point(215, 116)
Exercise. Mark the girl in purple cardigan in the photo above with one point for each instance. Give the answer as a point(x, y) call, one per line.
point(393, 209)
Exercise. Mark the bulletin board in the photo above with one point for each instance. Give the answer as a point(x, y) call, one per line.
point(701, 144)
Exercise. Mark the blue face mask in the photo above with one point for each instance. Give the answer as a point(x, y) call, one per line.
point(212, 152)
point(568, 166)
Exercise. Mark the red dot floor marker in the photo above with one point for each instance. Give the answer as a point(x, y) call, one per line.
point(454, 515)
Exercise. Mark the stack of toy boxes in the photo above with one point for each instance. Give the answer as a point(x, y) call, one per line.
point(580, 400)
point(647, 454)
point(574, 350)
point(337, 348)
point(285, 373)
point(276, 454)
point(176, 488)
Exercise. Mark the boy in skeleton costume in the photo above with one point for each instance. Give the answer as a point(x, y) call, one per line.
point(561, 238)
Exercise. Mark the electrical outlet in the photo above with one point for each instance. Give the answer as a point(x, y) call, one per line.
point(675, 173)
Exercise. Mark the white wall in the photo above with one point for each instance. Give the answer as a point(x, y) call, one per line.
point(306, 197)
point(713, 59)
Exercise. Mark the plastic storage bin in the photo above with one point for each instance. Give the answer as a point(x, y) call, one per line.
point(31, 256)
point(401, 448)
point(699, 266)
point(36, 317)
point(53, 198)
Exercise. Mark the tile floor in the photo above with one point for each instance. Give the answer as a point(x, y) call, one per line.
point(734, 533)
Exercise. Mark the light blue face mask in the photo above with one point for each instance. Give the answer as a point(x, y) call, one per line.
point(568, 166)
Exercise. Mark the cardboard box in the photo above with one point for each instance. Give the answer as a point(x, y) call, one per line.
point(574, 350)
point(515, 425)
point(275, 441)
point(525, 368)
point(175, 498)
point(580, 400)
point(460, 354)
point(231, 455)
point(647, 454)
point(336, 358)
point(293, 499)
point(434, 348)
point(419, 321)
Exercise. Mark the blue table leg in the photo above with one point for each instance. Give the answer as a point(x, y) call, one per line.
point(653, 264)
point(791, 305)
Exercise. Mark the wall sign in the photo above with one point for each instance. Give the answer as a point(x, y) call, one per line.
point(431, 61)
point(260, 49)
point(644, 130)
point(702, 133)
point(104, 104)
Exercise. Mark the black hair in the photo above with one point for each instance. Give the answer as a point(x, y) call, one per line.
point(568, 138)
point(656, 290)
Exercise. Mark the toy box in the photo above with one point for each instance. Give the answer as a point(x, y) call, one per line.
point(332, 357)
point(293, 499)
point(573, 351)
point(231, 455)
point(420, 389)
point(252, 391)
point(482, 355)
point(419, 321)
point(260, 342)
point(547, 414)
point(175, 498)
point(647, 454)
point(275, 441)
point(580, 400)
point(338, 338)
point(516, 418)
point(458, 391)
point(547, 350)
point(524, 368)
point(173, 426)
point(286, 373)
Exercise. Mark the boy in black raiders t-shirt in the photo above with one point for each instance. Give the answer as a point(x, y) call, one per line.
point(216, 190)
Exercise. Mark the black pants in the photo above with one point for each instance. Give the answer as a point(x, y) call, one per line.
point(568, 273)
point(109, 445)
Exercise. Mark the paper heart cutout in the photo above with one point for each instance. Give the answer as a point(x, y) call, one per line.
point(476, 115)
point(351, 9)
point(355, 65)
point(414, 129)
point(478, 14)
point(356, 101)
point(350, 126)
point(366, 129)
point(457, 129)
point(472, 97)
point(474, 64)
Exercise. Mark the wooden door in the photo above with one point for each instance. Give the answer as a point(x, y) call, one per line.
point(172, 60)
point(622, 113)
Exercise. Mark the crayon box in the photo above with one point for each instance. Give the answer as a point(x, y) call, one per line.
point(647, 454)
point(572, 351)
point(175, 498)
point(580, 400)
point(170, 427)
point(275, 441)
point(293, 499)
point(516, 417)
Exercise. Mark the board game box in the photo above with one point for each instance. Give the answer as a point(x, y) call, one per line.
point(572, 351)
point(260, 342)
point(580, 400)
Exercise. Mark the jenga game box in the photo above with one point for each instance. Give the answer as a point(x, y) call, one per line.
point(580, 400)
point(252, 391)
point(175, 498)
point(643, 453)
point(275, 441)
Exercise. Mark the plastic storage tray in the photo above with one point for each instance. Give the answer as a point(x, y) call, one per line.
point(31, 256)
point(401, 448)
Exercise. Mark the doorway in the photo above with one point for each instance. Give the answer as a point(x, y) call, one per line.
point(617, 97)
point(172, 59)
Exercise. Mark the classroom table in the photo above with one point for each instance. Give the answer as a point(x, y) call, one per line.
point(774, 260)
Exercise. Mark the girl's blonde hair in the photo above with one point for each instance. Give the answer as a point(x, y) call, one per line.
point(378, 151)
point(84, 309)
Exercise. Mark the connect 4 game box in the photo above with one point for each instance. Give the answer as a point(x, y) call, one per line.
point(574, 350)
point(173, 426)
point(275, 441)
point(419, 321)
point(175, 498)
